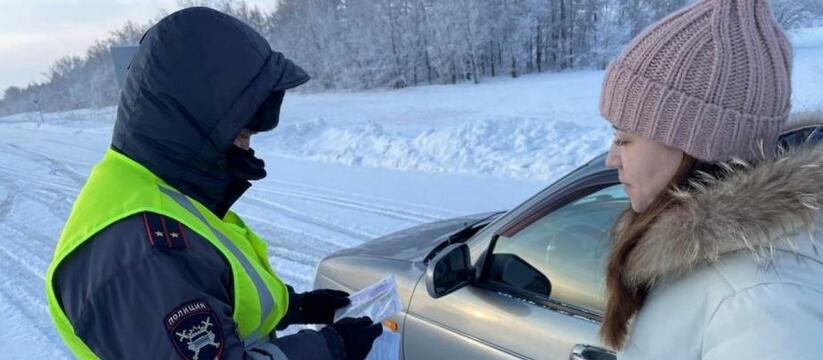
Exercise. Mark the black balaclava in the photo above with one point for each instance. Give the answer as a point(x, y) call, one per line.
point(243, 165)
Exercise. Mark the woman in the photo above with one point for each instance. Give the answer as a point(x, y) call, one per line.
point(716, 258)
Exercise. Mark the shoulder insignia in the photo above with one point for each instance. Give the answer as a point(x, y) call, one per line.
point(164, 232)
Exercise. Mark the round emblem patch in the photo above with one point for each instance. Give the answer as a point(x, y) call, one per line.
point(195, 331)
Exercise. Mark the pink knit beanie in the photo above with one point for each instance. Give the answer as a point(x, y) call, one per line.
point(712, 79)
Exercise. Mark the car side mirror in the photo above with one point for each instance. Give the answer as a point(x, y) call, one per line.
point(449, 271)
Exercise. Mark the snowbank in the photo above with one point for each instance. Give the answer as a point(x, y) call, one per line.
point(531, 148)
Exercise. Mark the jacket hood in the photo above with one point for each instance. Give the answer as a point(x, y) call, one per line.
point(758, 208)
point(198, 77)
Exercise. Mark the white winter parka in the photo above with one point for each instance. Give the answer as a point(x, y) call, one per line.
point(736, 270)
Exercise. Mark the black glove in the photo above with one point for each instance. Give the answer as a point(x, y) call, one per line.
point(319, 306)
point(313, 307)
point(354, 337)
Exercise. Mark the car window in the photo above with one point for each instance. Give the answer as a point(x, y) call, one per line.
point(562, 255)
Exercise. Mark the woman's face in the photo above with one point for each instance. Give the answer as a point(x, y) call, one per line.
point(646, 167)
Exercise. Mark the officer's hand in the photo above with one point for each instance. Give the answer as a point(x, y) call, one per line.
point(357, 336)
point(319, 306)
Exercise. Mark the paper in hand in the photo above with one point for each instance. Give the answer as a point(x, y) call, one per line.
point(378, 301)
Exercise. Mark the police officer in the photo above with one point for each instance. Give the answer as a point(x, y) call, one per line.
point(151, 263)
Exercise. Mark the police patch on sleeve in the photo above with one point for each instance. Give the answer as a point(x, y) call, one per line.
point(195, 331)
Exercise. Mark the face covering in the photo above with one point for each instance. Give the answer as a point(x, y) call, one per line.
point(243, 165)
point(268, 115)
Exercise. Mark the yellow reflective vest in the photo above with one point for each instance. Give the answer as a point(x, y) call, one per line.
point(119, 187)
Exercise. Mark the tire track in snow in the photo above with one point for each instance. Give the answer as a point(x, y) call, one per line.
point(368, 200)
point(90, 149)
point(26, 262)
point(351, 204)
point(304, 218)
point(59, 203)
point(23, 288)
point(10, 192)
point(313, 241)
point(21, 174)
point(26, 240)
point(48, 335)
point(60, 197)
point(56, 180)
point(58, 166)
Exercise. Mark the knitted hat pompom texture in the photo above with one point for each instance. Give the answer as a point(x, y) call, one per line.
point(712, 79)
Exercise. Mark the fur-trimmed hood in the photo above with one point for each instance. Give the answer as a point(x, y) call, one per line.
point(755, 208)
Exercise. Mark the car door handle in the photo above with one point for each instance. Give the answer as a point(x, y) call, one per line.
point(588, 352)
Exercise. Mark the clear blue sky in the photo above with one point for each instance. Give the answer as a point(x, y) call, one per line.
point(35, 33)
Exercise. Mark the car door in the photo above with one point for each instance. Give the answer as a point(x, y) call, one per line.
point(541, 286)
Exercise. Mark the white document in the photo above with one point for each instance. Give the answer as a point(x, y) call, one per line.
point(378, 301)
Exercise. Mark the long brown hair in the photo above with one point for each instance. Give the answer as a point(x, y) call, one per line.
point(622, 301)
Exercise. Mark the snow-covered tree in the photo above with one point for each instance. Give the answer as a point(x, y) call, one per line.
point(797, 13)
point(358, 44)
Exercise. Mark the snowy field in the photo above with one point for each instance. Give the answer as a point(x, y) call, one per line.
point(343, 168)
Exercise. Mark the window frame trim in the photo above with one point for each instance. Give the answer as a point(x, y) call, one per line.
point(568, 194)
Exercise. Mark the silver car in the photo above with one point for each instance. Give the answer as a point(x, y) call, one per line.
point(522, 284)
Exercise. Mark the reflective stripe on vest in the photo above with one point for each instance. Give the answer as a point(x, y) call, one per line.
point(265, 297)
